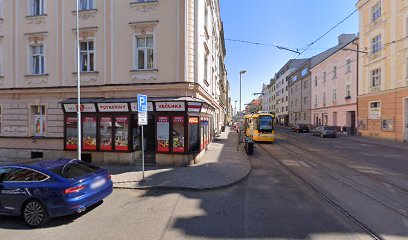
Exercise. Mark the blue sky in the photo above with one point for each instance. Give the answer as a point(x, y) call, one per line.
point(290, 23)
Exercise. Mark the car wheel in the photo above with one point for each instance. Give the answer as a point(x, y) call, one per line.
point(34, 213)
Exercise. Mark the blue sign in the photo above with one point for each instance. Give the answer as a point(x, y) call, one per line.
point(141, 103)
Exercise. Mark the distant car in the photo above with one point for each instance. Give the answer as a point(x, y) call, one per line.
point(324, 131)
point(50, 189)
point(300, 128)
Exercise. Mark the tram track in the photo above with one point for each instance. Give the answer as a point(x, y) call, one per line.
point(337, 160)
point(372, 233)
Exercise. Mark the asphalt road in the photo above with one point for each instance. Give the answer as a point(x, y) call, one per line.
point(272, 203)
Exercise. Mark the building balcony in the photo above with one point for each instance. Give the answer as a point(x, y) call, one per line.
point(36, 19)
point(144, 6)
point(137, 75)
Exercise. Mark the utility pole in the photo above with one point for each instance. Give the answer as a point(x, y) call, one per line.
point(240, 106)
point(79, 118)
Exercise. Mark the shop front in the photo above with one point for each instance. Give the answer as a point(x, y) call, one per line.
point(178, 130)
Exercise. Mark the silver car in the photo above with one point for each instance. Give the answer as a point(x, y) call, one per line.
point(324, 131)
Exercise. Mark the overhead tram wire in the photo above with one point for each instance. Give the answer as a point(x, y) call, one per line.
point(331, 29)
point(265, 44)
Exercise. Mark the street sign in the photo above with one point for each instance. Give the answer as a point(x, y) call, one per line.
point(142, 118)
point(141, 103)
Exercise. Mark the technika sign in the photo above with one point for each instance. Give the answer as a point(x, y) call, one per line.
point(170, 106)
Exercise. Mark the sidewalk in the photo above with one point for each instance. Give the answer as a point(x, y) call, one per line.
point(221, 166)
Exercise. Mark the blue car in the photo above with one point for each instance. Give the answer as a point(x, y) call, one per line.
point(50, 189)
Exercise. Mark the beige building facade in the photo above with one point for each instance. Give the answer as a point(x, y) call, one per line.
point(171, 50)
point(383, 76)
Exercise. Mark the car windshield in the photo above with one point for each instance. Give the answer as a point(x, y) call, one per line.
point(75, 169)
point(265, 123)
point(328, 128)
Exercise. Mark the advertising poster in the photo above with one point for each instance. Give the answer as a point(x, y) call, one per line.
point(105, 130)
point(121, 134)
point(71, 140)
point(89, 133)
point(193, 132)
point(178, 134)
point(163, 129)
point(39, 125)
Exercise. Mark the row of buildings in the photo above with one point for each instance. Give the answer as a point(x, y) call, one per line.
point(359, 86)
point(171, 50)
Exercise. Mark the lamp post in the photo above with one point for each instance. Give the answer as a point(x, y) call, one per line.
point(79, 119)
point(235, 109)
point(240, 107)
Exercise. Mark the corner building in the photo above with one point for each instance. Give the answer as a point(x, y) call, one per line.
point(383, 75)
point(171, 50)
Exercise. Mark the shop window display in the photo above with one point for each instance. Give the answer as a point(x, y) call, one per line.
point(163, 129)
point(193, 131)
point(178, 134)
point(121, 134)
point(105, 132)
point(89, 133)
point(71, 139)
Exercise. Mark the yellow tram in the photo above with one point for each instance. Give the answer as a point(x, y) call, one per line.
point(259, 127)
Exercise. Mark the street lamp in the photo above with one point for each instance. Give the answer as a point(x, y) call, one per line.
point(79, 117)
point(235, 109)
point(240, 107)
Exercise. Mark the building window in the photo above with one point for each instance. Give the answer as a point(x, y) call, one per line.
point(296, 88)
point(406, 65)
point(315, 82)
point(304, 72)
point(296, 102)
point(38, 120)
point(334, 72)
point(87, 56)
point(1, 9)
point(145, 52)
point(315, 100)
point(348, 65)
point(304, 100)
point(374, 110)
point(294, 78)
point(376, 44)
point(376, 11)
point(86, 5)
point(304, 116)
point(334, 94)
point(1, 53)
point(291, 104)
point(286, 108)
point(348, 91)
point(37, 60)
point(376, 77)
point(305, 84)
point(324, 77)
point(286, 98)
point(324, 99)
point(37, 7)
point(283, 109)
point(206, 68)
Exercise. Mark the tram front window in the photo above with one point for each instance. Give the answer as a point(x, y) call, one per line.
point(265, 124)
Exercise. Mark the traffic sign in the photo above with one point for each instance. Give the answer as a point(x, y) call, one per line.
point(141, 103)
point(142, 118)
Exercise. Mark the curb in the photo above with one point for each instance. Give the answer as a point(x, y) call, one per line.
point(191, 189)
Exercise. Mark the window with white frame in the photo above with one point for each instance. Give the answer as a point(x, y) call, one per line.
point(334, 94)
point(39, 128)
point(375, 77)
point(348, 90)
point(304, 71)
point(334, 72)
point(86, 5)
point(206, 68)
point(37, 59)
point(87, 57)
point(144, 52)
point(376, 44)
point(348, 65)
point(37, 7)
point(376, 11)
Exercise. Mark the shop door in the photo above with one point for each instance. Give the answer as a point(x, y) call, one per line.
point(406, 120)
point(149, 133)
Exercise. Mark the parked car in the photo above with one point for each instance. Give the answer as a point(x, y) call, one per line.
point(300, 128)
point(324, 131)
point(50, 189)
